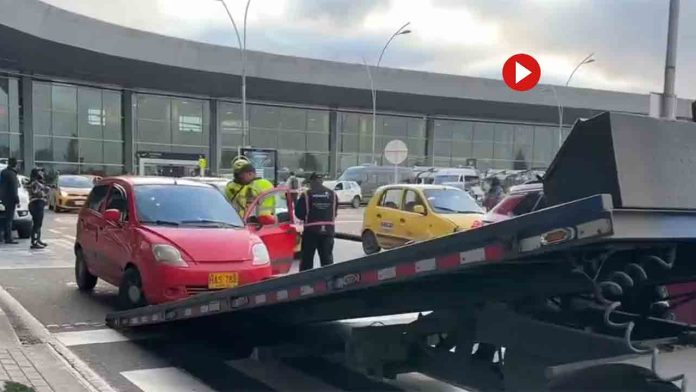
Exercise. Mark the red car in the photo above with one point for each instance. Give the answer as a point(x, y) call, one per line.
point(525, 198)
point(161, 239)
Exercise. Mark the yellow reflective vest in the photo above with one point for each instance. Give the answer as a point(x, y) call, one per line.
point(241, 196)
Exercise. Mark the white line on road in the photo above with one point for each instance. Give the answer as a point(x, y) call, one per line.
point(169, 379)
point(20, 267)
point(96, 336)
point(279, 377)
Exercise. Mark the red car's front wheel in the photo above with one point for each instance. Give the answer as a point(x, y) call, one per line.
point(130, 291)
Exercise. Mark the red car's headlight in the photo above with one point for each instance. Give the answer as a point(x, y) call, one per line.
point(168, 254)
point(260, 253)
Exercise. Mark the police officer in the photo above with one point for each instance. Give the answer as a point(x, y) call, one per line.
point(245, 187)
point(317, 207)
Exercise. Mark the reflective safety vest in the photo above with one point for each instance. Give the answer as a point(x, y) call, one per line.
point(241, 196)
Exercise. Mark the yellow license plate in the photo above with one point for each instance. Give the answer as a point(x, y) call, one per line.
point(223, 280)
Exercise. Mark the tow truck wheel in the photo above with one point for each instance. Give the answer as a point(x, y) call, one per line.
point(355, 203)
point(130, 291)
point(369, 242)
point(612, 377)
point(85, 280)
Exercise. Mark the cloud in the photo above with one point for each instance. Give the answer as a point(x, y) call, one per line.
point(472, 37)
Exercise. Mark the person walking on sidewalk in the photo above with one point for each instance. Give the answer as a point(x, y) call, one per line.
point(317, 207)
point(38, 196)
point(9, 194)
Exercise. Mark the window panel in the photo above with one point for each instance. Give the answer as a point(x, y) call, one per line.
point(395, 127)
point(64, 98)
point(152, 131)
point(463, 131)
point(443, 129)
point(346, 161)
point(4, 145)
point(64, 124)
point(113, 152)
point(188, 116)
point(44, 151)
point(15, 145)
point(264, 117)
point(226, 157)
point(4, 118)
point(504, 140)
point(461, 149)
point(231, 139)
point(415, 146)
point(484, 134)
point(293, 119)
point(314, 162)
point(230, 116)
point(317, 121)
point(156, 147)
point(348, 142)
point(264, 138)
point(113, 129)
point(91, 151)
point(545, 144)
point(153, 108)
point(442, 148)
point(416, 128)
point(291, 140)
point(4, 92)
point(65, 150)
point(318, 142)
point(41, 96)
point(42, 122)
point(349, 122)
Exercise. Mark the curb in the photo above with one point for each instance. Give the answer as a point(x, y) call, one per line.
point(82, 372)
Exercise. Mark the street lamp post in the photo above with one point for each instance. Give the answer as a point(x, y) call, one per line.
point(241, 41)
point(586, 60)
point(401, 31)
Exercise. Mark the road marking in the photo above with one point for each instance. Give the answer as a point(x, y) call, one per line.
point(96, 336)
point(421, 382)
point(169, 379)
point(20, 267)
point(279, 377)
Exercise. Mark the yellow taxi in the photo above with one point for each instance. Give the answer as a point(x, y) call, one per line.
point(402, 213)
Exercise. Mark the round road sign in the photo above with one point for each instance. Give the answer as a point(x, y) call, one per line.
point(396, 151)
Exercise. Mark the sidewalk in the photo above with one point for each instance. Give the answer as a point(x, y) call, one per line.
point(29, 355)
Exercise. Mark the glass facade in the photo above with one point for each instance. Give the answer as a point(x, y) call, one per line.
point(355, 138)
point(10, 137)
point(171, 124)
point(300, 135)
point(77, 129)
point(494, 145)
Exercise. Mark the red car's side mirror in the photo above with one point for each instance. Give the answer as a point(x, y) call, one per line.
point(112, 215)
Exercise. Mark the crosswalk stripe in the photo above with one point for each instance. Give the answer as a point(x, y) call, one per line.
point(97, 336)
point(421, 382)
point(168, 379)
point(279, 377)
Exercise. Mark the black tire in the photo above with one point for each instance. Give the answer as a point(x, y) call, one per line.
point(130, 291)
point(24, 230)
point(369, 242)
point(85, 280)
point(355, 203)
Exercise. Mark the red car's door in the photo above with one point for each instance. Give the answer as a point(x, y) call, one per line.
point(113, 238)
point(89, 221)
point(280, 232)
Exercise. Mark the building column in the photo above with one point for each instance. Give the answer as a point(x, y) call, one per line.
point(214, 140)
point(430, 141)
point(333, 143)
point(128, 106)
point(27, 125)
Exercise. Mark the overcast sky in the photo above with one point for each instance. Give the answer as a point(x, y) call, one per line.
point(464, 37)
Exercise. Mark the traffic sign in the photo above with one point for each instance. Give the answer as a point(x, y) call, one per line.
point(396, 151)
point(521, 72)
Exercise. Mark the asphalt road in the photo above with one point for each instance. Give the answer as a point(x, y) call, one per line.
point(163, 359)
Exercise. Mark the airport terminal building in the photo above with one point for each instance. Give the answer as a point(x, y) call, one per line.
point(78, 95)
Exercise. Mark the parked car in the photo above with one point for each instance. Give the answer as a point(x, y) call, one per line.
point(22, 219)
point(399, 214)
point(371, 177)
point(69, 192)
point(529, 197)
point(348, 192)
point(218, 182)
point(161, 239)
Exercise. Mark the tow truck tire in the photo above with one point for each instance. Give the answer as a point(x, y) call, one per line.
point(612, 377)
point(24, 230)
point(84, 279)
point(355, 203)
point(130, 291)
point(369, 242)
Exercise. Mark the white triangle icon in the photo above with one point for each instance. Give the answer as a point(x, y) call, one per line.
point(521, 72)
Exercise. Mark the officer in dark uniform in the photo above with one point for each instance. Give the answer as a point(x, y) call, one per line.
point(317, 207)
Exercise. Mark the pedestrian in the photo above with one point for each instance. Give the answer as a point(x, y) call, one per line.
point(38, 196)
point(294, 184)
point(245, 187)
point(9, 194)
point(494, 194)
point(317, 207)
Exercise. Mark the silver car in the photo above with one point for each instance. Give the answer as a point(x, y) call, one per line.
point(22, 219)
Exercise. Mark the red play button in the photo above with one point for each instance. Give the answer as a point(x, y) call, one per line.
point(521, 72)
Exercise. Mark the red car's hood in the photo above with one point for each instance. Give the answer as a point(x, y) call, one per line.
point(208, 245)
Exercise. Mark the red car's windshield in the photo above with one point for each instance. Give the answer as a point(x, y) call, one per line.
point(176, 205)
